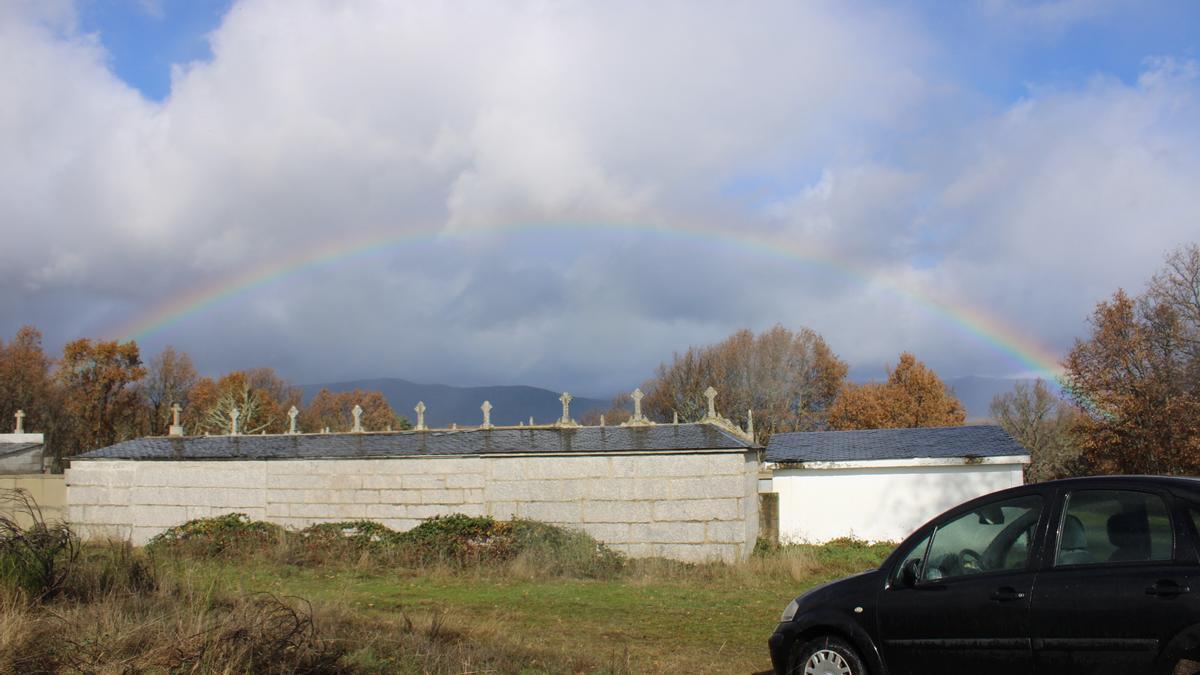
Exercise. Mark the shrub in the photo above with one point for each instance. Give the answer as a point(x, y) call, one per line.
point(232, 533)
point(458, 539)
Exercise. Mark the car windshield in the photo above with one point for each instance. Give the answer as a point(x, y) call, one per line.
point(991, 538)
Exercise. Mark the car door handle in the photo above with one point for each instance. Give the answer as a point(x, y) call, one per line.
point(1167, 588)
point(1007, 594)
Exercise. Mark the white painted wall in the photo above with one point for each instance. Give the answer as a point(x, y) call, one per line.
point(878, 503)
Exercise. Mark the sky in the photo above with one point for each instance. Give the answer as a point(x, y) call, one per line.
point(564, 194)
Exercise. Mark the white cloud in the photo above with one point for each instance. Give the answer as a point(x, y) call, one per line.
point(315, 123)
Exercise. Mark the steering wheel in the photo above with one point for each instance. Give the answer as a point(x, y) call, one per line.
point(970, 560)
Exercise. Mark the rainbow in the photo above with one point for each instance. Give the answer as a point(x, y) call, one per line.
point(1010, 341)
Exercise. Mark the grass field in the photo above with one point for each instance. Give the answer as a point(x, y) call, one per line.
point(467, 596)
point(656, 617)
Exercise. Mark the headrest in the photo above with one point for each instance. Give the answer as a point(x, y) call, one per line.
point(1129, 531)
point(1073, 537)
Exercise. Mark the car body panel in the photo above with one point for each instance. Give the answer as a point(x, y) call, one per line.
point(959, 622)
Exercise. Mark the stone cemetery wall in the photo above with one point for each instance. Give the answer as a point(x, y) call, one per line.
point(688, 506)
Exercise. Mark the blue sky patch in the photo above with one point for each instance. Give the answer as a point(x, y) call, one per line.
point(145, 38)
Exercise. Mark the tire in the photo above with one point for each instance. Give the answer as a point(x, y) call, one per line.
point(827, 655)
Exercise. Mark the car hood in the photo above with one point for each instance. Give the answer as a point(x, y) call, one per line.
point(854, 587)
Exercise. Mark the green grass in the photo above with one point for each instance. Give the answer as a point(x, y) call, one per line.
point(655, 617)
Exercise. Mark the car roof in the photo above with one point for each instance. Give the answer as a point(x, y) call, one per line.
point(1186, 482)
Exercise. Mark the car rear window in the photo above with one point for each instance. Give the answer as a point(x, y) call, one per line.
point(1114, 526)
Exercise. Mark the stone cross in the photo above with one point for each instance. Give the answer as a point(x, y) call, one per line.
point(420, 415)
point(637, 397)
point(711, 395)
point(20, 422)
point(176, 428)
point(233, 418)
point(292, 414)
point(357, 412)
point(487, 414)
point(566, 402)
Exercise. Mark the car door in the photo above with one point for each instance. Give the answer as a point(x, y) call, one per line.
point(1114, 592)
point(968, 610)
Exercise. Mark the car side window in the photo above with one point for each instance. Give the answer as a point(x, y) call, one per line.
point(991, 538)
point(1112, 526)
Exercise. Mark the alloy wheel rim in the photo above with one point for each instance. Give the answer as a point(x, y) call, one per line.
point(827, 662)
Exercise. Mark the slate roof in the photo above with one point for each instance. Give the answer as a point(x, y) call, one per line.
point(876, 444)
point(660, 438)
point(7, 449)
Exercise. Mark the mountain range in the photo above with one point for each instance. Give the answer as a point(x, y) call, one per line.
point(445, 404)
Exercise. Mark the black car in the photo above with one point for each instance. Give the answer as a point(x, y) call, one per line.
point(1086, 575)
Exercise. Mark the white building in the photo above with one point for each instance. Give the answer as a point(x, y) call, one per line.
point(881, 484)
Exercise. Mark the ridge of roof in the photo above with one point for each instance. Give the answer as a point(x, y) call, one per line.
point(446, 442)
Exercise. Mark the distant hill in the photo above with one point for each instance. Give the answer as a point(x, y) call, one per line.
point(445, 404)
point(977, 393)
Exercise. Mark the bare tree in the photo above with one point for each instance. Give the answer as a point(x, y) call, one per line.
point(169, 380)
point(1042, 423)
point(789, 378)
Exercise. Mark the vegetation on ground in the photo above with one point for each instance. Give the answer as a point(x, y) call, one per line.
point(454, 595)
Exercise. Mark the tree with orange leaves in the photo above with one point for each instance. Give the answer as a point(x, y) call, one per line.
point(261, 398)
point(332, 410)
point(1137, 377)
point(25, 381)
point(912, 396)
point(100, 404)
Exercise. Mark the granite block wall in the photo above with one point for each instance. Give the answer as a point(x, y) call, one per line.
point(693, 506)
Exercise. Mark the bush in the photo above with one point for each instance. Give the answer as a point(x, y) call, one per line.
point(232, 533)
point(458, 540)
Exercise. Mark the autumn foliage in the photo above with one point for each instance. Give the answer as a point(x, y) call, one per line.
point(912, 396)
point(1137, 377)
point(332, 410)
point(98, 399)
point(99, 393)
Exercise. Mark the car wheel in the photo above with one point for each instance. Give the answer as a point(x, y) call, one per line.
point(827, 655)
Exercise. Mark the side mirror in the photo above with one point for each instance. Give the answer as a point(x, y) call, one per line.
point(910, 573)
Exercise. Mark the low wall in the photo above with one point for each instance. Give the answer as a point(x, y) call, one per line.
point(48, 490)
point(878, 503)
point(695, 506)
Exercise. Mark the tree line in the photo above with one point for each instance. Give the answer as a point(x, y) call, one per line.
point(97, 393)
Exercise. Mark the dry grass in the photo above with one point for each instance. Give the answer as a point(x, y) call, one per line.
point(544, 600)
